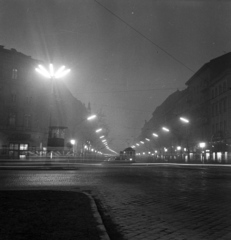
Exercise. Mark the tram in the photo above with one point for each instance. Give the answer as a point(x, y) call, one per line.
point(128, 154)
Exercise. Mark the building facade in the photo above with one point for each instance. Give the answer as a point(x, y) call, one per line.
point(206, 103)
point(27, 112)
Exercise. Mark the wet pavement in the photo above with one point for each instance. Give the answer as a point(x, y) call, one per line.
point(147, 202)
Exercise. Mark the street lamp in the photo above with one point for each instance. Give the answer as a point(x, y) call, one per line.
point(91, 117)
point(155, 135)
point(61, 72)
point(98, 130)
point(202, 146)
point(52, 74)
point(185, 120)
point(72, 141)
point(165, 129)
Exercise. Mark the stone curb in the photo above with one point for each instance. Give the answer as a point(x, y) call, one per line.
point(100, 225)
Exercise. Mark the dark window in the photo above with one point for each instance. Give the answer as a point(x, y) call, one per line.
point(212, 93)
point(4, 149)
point(216, 107)
point(220, 107)
point(215, 92)
point(213, 110)
point(224, 86)
point(225, 126)
point(14, 73)
point(12, 119)
point(13, 97)
point(221, 126)
point(27, 121)
point(224, 104)
point(220, 89)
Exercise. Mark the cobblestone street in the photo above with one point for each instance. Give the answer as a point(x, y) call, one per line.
point(148, 202)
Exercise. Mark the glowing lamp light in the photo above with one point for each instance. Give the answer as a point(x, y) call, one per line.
point(147, 139)
point(142, 142)
point(99, 130)
point(101, 137)
point(184, 119)
point(165, 129)
point(155, 135)
point(72, 141)
point(51, 73)
point(91, 117)
point(202, 144)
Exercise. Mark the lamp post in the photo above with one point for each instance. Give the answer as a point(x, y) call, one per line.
point(52, 75)
point(202, 146)
point(186, 121)
point(72, 141)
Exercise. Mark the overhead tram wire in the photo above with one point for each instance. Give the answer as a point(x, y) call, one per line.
point(141, 34)
point(133, 90)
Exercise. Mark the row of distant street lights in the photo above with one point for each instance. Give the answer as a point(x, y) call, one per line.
point(61, 72)
point(202, 145)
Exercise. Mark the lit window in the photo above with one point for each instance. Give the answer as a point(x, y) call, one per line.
point(14, 73)
point(23, 146)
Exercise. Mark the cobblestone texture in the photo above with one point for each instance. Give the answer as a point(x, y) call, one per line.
point(151, 203)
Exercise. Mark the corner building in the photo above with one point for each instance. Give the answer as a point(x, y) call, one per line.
point(25, 107)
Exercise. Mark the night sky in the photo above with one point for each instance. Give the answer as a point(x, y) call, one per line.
point(126, 56)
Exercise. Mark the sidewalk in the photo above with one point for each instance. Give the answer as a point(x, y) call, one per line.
point(48, 214)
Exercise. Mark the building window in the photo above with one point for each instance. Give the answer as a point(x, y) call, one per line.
point(215, 91)
point(27, 121)
point(221, 126)
point(23, 146)
point(28, 100)
point(220, 107)
point(4, 149)
point(224, 86)
point(225, 126)
point(213, 129)
point(220, 89)
point(213, 110)
point(212, 93)
point(14, 73)
point(13, 97)
point(12, 119)
point(216, 107)
point(224, 104)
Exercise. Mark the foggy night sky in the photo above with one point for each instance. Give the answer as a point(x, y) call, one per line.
point(120, 70)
